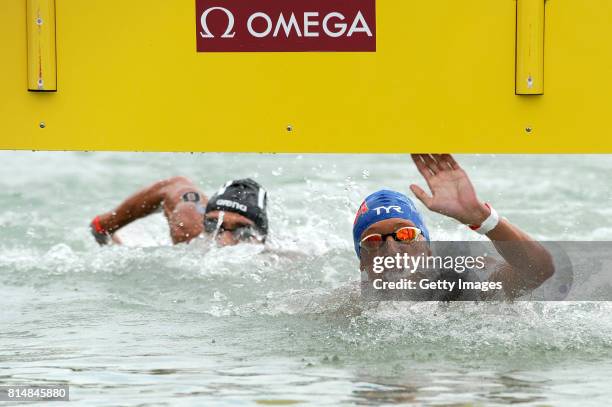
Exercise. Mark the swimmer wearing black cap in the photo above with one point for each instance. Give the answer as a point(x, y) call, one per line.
point(235, 213)
point(388, 221)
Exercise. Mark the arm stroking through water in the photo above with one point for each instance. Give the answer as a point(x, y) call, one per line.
point(527, 265)
point(164, 193)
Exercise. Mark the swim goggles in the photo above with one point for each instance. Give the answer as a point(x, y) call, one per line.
point(239, 233)
point(406, 234)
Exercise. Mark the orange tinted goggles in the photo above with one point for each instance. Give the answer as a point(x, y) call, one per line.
point(405, 234)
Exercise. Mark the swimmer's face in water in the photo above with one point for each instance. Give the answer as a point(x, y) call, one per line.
point(390, 246)
point(230, 228)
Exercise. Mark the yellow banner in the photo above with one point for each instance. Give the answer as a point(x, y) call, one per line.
point(443, 79)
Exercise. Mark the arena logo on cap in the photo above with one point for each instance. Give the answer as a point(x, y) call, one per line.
point(232, 204)
point(285, 26)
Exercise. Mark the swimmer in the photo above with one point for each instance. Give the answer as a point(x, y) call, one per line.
point(235, 213)
point(388, 222)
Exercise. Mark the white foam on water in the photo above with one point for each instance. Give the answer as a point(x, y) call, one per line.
point(146, 313)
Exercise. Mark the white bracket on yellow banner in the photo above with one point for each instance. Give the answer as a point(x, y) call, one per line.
point(40, 25)
point(530, 47)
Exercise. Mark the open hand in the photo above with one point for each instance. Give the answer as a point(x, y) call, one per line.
point(452, 191)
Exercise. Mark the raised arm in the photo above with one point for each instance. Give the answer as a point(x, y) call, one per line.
point(138, 205)
point(527, 265)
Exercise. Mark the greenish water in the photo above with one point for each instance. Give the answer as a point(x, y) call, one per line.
point(153, 324)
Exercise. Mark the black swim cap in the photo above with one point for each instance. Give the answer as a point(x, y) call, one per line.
point(244, 197)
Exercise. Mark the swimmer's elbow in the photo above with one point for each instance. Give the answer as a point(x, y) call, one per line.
point(546, 267)
point(526, 279)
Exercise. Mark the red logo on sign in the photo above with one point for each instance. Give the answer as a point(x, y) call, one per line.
point(285, 25)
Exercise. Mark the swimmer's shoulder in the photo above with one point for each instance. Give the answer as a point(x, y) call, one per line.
point(182, 189)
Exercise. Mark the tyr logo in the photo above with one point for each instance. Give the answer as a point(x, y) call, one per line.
point(388, 209)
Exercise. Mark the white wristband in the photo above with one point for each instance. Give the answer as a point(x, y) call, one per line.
point(489, 223)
